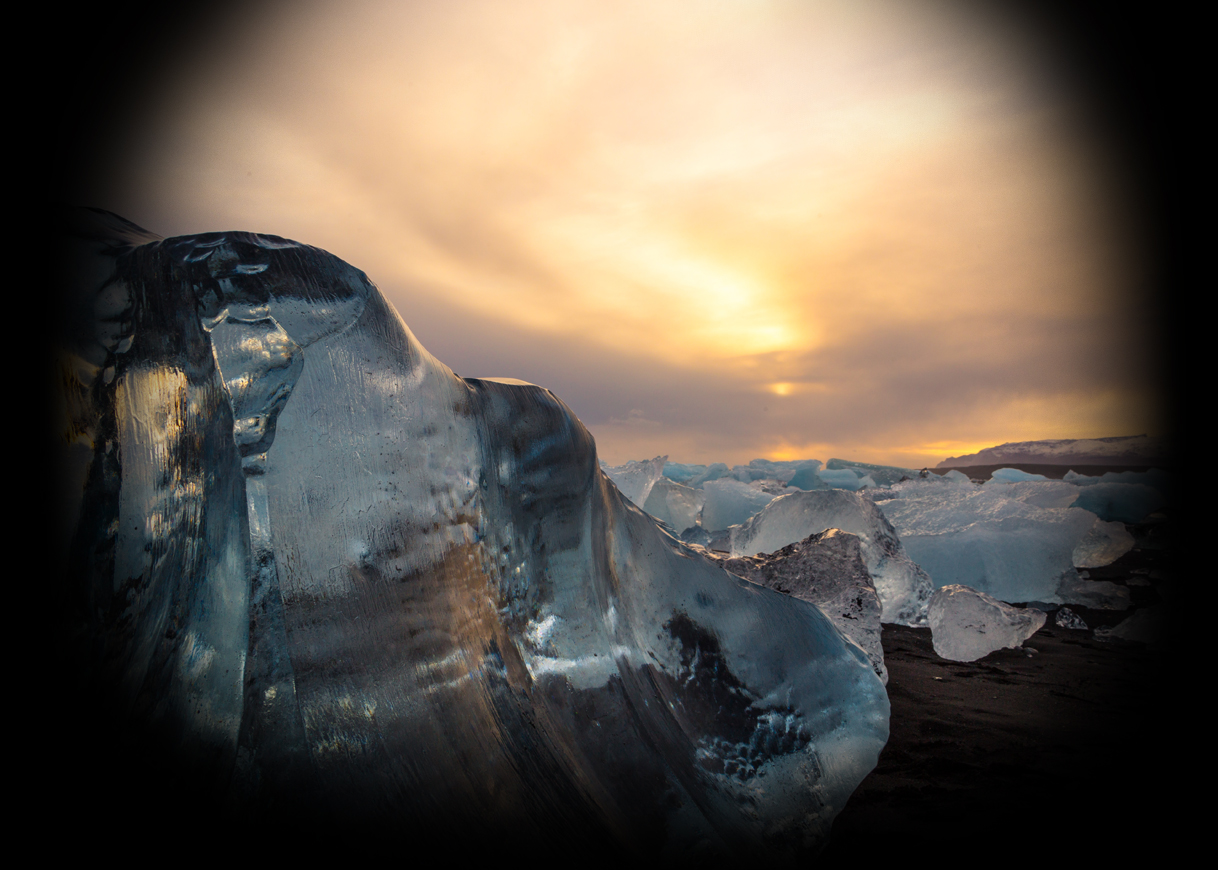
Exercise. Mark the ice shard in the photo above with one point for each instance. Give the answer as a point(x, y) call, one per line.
point(346, 589)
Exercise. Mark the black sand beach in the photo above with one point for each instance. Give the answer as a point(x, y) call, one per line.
point(1073, 750)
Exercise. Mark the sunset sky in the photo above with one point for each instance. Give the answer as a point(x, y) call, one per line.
point(883, 230)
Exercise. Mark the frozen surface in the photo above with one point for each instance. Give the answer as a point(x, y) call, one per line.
point(348, 586)
point(966, 625)
point(992, 540)
point(827, 570)
point(903, 587)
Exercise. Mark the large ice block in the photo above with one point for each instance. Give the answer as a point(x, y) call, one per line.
point(345, 588)
point(991, 539)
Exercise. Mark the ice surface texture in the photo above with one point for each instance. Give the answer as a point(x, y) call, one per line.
point(966, 625)
point(826, 569)
point(343, 585)
point(1014, 541)
point(903, 587)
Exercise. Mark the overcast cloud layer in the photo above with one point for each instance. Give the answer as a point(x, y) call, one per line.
point(875, 229)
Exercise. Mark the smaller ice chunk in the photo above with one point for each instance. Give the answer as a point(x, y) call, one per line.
point(966, 625)
point(730, 502)
point(957, 476)
point(714, 471)
point(844, 478)
point(1067, 618)
point(1103, 545)
point(808, 478)
point(675, 504)
point(1014, 475)
point(1037, 493)
point(1096, 594)
point(827, 570)
point(681, 472)
point(636, 478)
point(881, 475)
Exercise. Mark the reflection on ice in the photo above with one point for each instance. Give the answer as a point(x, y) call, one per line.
point(335, 582)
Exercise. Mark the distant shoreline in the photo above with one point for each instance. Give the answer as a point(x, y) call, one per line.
point(1051, 471)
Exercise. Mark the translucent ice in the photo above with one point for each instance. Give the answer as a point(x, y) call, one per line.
point(1102, 545)
point(966, 625)
point(730, 502)
point(1012, 475)
point(677, 505)
point(1067, 618)
point(827, 570)
point(903, 587)
point(636, 478)
point(844, 478)
point(982, 538)
point(881, 475)
point(348, 586)
point(1125, 502)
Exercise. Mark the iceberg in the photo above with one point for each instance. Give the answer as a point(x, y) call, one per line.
point(904, 588)
point(337, 584)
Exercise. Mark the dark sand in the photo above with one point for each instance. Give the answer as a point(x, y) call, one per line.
point(1075, 750)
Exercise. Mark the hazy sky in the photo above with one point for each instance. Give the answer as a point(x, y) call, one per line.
point(717, 229)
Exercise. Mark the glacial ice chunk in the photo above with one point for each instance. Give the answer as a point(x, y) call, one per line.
point(844, 478)
point(1067, 618)
point(677, 505)
point(1102, 545)
point(981, 538)
point(1123, 502)
point(637, 477)
point(1014, 475)
point(730, 502)
point(966, 625)
point(827, 570)
point(903, 587)
point(880, 475)
point(345, 584)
